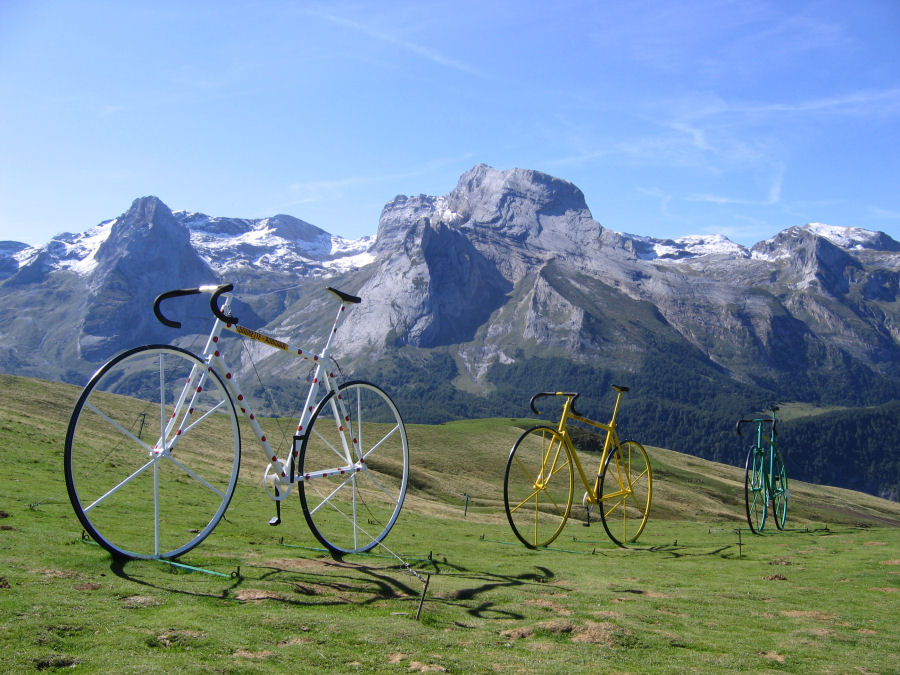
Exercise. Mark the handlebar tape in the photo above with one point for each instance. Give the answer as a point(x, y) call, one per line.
point(181, 292)
point(573, 394)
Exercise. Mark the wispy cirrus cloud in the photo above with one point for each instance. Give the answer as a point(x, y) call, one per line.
point(773, 196)
point(427, 53)
point(869, 102)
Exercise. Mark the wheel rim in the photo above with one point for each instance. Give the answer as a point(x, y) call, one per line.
point(538, 486)
point(755, 490)
point(135, 495)
point(356, 457)
point(625, 491)
point(780, 492)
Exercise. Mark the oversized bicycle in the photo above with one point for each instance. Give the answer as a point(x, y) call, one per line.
point(765, 476)
point(539, 483)
point(153, 447)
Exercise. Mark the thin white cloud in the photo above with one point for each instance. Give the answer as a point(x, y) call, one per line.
point(308, 192)
point(426, 53)
point(884, 214)
point(861, 102)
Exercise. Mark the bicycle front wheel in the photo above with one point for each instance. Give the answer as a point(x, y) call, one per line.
point(152, 453)
point(755, 489)
point(538, 486)
point(625, 490)
point(353, 468)
point(780, 491)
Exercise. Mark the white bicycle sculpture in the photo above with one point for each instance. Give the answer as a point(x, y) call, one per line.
point(153, 447)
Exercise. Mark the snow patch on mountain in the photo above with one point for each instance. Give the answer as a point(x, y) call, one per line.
point(278, 243)
point(683, 248)
point(845, 237)
point(73, 252)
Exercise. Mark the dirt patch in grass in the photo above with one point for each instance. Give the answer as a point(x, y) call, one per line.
point(138, 601)
point(296, 641)
point(398, 658)
point(89, 586)
point(589, 632)
point(555, 607)
point(177, 637)
point(258, 595)
point(55, 574)
point(808, 614)
point(56, 661)
point(885, 589)
point(244, 654)
point(418, 667)
point(774, 656)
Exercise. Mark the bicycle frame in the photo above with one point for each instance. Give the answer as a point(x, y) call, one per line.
point(612, 440)
point(279, 472)
point(539, 481)
point(770, 469)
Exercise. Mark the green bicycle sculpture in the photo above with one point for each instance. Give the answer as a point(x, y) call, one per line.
point(765, 480)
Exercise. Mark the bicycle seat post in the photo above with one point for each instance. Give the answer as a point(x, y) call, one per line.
point(619, 392)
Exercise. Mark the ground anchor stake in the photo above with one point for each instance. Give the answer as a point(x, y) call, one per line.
point(422, 598)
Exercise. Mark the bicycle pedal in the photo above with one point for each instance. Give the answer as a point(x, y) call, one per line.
point(275, 521)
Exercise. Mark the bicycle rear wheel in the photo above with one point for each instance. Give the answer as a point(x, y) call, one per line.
point(353, 468)
point(780, 492)
point(538, 486)
point(755, 489)
point(625, 490)
point(152, 453)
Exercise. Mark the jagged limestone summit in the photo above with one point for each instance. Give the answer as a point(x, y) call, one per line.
point(475, 299)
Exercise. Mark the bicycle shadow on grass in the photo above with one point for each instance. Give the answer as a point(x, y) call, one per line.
point(326, 581)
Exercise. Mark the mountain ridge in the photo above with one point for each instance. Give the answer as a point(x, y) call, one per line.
point(506, 283)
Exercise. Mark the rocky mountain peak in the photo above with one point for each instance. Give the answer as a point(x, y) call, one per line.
point(521, 209)
point(148, 226)
point(485, 195)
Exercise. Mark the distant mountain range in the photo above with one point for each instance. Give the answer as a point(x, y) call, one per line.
point(475, 300)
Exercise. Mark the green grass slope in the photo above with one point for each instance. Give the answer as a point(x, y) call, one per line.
point(698, 593)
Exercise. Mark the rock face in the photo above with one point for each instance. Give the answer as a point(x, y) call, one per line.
point(144, 246)
point(508, 265)
point(476, 299)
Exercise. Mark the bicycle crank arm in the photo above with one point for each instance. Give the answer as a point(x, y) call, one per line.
point(277, 519)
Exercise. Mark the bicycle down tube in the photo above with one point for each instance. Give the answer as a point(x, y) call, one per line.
point(225, 321)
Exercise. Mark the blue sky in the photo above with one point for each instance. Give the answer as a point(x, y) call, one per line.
point(738, 118)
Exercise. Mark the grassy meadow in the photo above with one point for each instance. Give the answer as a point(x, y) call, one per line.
point(452, 590)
